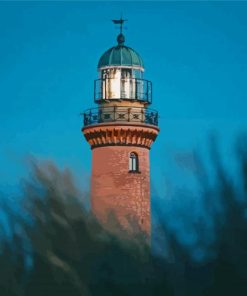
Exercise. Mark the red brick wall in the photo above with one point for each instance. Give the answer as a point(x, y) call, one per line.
point(113, 188)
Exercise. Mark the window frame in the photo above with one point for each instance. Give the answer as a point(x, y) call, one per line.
point(133, 162)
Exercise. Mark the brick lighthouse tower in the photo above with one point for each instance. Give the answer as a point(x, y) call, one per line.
point(120, 132)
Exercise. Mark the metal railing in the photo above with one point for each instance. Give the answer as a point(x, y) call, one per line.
point(120, 114)
point(133, 89)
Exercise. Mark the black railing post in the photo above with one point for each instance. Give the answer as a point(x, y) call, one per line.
point(146, 116)
point(121, 89)
point(147, 92)
point(106, 86)
point(142, 111)
point(90, 116)
point(100, 116)
point(136, 89)
point(101, 89)
point(114, 113)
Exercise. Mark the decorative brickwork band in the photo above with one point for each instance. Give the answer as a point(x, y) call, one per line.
point(125, 134)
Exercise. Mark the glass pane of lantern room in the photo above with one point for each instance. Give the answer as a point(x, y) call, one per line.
point(137, 74)
point(140, 90)
point(113, 84)
point(126, 83)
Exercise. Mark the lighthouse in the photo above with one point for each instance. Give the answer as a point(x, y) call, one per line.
point(120, 132)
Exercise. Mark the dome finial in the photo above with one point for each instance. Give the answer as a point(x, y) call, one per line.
point(120, 37)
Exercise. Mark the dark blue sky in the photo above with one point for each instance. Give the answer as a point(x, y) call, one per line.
point(195, 53)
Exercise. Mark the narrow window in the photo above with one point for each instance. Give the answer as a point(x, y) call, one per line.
point(133, 162)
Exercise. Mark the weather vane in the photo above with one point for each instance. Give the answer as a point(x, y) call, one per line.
point(120, 22)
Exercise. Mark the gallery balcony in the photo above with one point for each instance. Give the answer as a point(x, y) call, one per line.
point(120, 115)
point(130, 89)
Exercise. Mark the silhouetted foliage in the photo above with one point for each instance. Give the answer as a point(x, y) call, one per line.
point(58, 248)
point(69, 251)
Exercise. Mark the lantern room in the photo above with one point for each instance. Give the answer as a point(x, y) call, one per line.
point(121, 76)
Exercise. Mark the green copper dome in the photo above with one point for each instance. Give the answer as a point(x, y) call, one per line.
point(120, 55)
